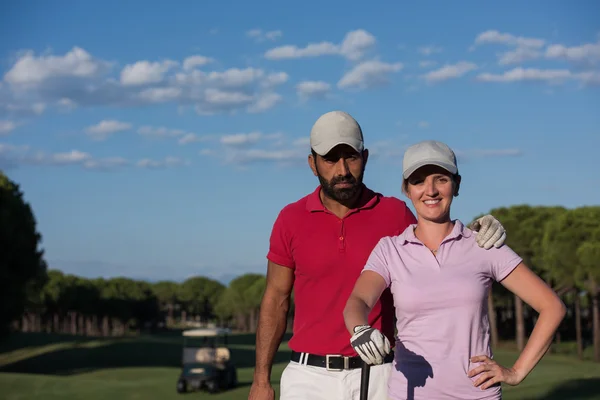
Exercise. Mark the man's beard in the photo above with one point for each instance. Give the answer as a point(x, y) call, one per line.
point(341, 194)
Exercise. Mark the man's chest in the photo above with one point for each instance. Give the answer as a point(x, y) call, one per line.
point(337, 246)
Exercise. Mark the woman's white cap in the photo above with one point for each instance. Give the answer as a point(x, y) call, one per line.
point(428, 152)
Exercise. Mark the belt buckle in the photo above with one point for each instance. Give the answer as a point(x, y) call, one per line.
point(329, 356)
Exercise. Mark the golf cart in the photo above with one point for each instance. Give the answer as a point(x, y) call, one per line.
point(205, 363)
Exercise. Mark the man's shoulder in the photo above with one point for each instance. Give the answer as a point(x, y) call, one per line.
point(296, 206)
point(391, 204)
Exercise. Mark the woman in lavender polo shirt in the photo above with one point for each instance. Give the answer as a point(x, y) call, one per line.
point(440, 279)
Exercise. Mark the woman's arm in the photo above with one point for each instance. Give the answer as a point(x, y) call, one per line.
point(537, 294)
point(366, 292)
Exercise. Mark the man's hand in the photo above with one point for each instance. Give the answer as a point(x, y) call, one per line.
point(492, 373)
point(370, 344)
point(261, 391)
point(490, 232)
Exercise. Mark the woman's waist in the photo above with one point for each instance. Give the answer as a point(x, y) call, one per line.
point(439, 353)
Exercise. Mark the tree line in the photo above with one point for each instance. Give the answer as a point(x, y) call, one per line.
point(561, 245)
point(121, 306)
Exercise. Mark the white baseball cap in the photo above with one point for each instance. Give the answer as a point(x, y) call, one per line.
point(428, 152)
point(334, 128)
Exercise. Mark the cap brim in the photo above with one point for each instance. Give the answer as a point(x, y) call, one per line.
point(448, 167)
point(322, 149)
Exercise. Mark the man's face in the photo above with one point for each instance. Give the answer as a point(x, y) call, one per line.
point(340, 171)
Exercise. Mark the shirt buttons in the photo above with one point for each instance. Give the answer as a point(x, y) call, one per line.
point(341, 238)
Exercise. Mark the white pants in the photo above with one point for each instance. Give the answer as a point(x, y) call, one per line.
point(305, 382)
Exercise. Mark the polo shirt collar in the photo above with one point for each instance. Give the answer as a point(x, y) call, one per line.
point(408, 236)
point(368, 198)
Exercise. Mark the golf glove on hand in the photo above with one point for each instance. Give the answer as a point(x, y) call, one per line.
point(490, 232)
point(370, 344)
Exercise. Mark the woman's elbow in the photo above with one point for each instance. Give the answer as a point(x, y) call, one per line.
point(562, 309)
point(557, 308)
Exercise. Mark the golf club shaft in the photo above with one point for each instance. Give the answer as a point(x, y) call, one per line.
point(364, 381)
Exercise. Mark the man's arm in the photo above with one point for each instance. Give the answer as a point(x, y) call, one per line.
point(272, 319)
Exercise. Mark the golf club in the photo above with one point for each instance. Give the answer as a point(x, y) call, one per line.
point(364, 381)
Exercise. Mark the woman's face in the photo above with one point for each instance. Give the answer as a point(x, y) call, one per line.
point(431, 190)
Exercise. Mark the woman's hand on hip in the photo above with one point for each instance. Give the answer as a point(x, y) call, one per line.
point(492, 373)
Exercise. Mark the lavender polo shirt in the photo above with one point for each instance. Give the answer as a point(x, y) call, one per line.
point(441, 310)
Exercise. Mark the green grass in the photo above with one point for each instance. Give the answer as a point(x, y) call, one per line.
point(40, 366)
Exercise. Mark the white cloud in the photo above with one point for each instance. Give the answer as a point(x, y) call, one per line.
point(251, 156)
point(66, 104)
point(7, 127)
point(586, 53)
point(105, 128)
point(77, 63)
point(71, 157)
point(193, 138)
point(159, 131)
point(427, 63)
point(518, 55)
point(528, 74)
point(230, 78)
point(145, 72)
point(83, 81)
point(525, 48)
point(275, 79)
point(353, 47)
point(232, 89)
point(216, 100)
point(589, 78)
point(429, 50)
point(264, 102)
point(450, 71)
point(423, 124)
point(192, 62)
point(14, 156)
point(302, 142)
point(23, 109)
point(247, 139)
point(241, 139)
point(312, 89)
point(368, 74)
point(167, 162)
point(161, 94)
point(36, 82)
point(260, 36)
point(312, 50)
point(106, 163)
point(494, 36)
point(255, 146)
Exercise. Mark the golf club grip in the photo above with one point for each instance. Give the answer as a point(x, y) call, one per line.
point(364, 381)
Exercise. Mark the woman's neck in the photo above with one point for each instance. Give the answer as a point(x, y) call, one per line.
point(433, 233)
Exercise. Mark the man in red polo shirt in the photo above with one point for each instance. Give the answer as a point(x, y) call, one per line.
point(318, 247)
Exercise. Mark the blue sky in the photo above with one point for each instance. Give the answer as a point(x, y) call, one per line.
point(159, 141)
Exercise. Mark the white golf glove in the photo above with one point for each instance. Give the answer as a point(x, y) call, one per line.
point(370, 344)
point(490, 232)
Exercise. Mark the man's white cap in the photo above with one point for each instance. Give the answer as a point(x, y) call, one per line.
point(333, 128)
point(428, 152)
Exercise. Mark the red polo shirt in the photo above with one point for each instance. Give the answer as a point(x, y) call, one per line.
point(327, 255)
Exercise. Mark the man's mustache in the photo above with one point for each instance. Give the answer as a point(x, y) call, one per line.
point(343, 179)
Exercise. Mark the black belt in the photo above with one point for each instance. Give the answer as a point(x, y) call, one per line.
point(333, 362)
